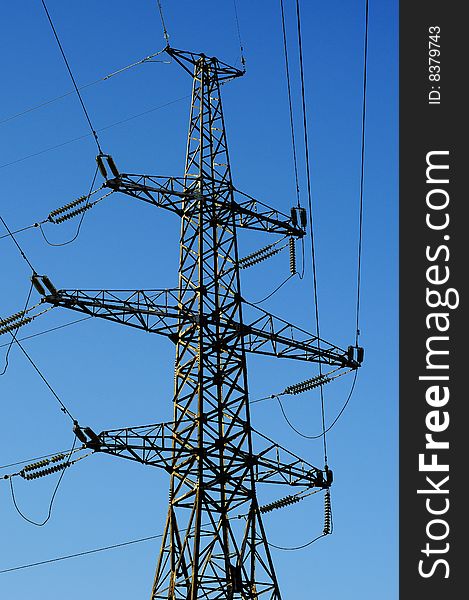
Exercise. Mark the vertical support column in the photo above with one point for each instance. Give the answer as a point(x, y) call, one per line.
point(205, 552)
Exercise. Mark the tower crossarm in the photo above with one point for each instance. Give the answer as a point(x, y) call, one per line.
point(172, 194)
point(272, 336)
point(149, 444)
point(275, 464)
point(159, 311)
point(254, 214)
point(151, 310)
point(188, 60)
point(165, 192)
point(163, 445)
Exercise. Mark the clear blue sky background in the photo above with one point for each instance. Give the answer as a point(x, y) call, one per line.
point(111, 376)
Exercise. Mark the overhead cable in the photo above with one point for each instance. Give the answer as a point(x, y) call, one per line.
point(83, 137)
point(241, 49)
point(86, 85)
point(14, 334)
point(310, 206)
point(80, 210)
point(28, 337)
point(51, 503)
point(93, 131)
point(362, 172)
point(320, 435)
point(163, 24)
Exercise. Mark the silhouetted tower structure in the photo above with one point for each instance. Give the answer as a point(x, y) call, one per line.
point(213, 455)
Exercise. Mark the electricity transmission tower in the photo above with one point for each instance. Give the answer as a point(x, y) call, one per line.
point(213, 455)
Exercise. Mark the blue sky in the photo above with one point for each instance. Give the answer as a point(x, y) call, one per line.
point(111, 376)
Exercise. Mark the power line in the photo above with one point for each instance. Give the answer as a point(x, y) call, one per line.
point(292, 126)
point(49, 513)
point(13, 335)
point(165, 32)
point(35, 459)
point(11, 234)
point(77, 233)
point(243, 59)
point(290, 103)
point(84, 553)
point(64, 409)
point(320, 435)
point(93, 131)
point(82, 87)
point(82, 137)
point(5, 235)
point(310, 206)
point(29, 337)
point(119, 545)
point(275, 290)
point(15, 332)
point(296, 547)
point(362, 172)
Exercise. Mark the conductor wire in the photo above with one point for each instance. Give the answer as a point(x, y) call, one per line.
point(310, 206)
point(315, 437)
point(81, 218)
point(165, 32)
point(15, 332)
point(93, 131)
point(12, 235)
point(49, 513)
point(362, 171)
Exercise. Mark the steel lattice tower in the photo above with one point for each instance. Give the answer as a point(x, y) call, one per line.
point(208, 448)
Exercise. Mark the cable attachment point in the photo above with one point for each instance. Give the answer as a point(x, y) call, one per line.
point(39, 280)
point(327, 513)
point(308, 384)
point(110, 163)
point(292, 247)
point(281, 503)
point(87, 436)
point(355, 355)
point(298, 215)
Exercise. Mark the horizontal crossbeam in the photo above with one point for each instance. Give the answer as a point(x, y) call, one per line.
point(163, 445)
point(171, 193)
point(158, 311)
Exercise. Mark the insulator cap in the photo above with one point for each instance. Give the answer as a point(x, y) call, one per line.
point(93, 438)
point(37, 284)
point(79, 433)
point(294, 216)
point(112, 166)
point(360, 354)
point(101, 167)
point(49, 285)
point(303, 217)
